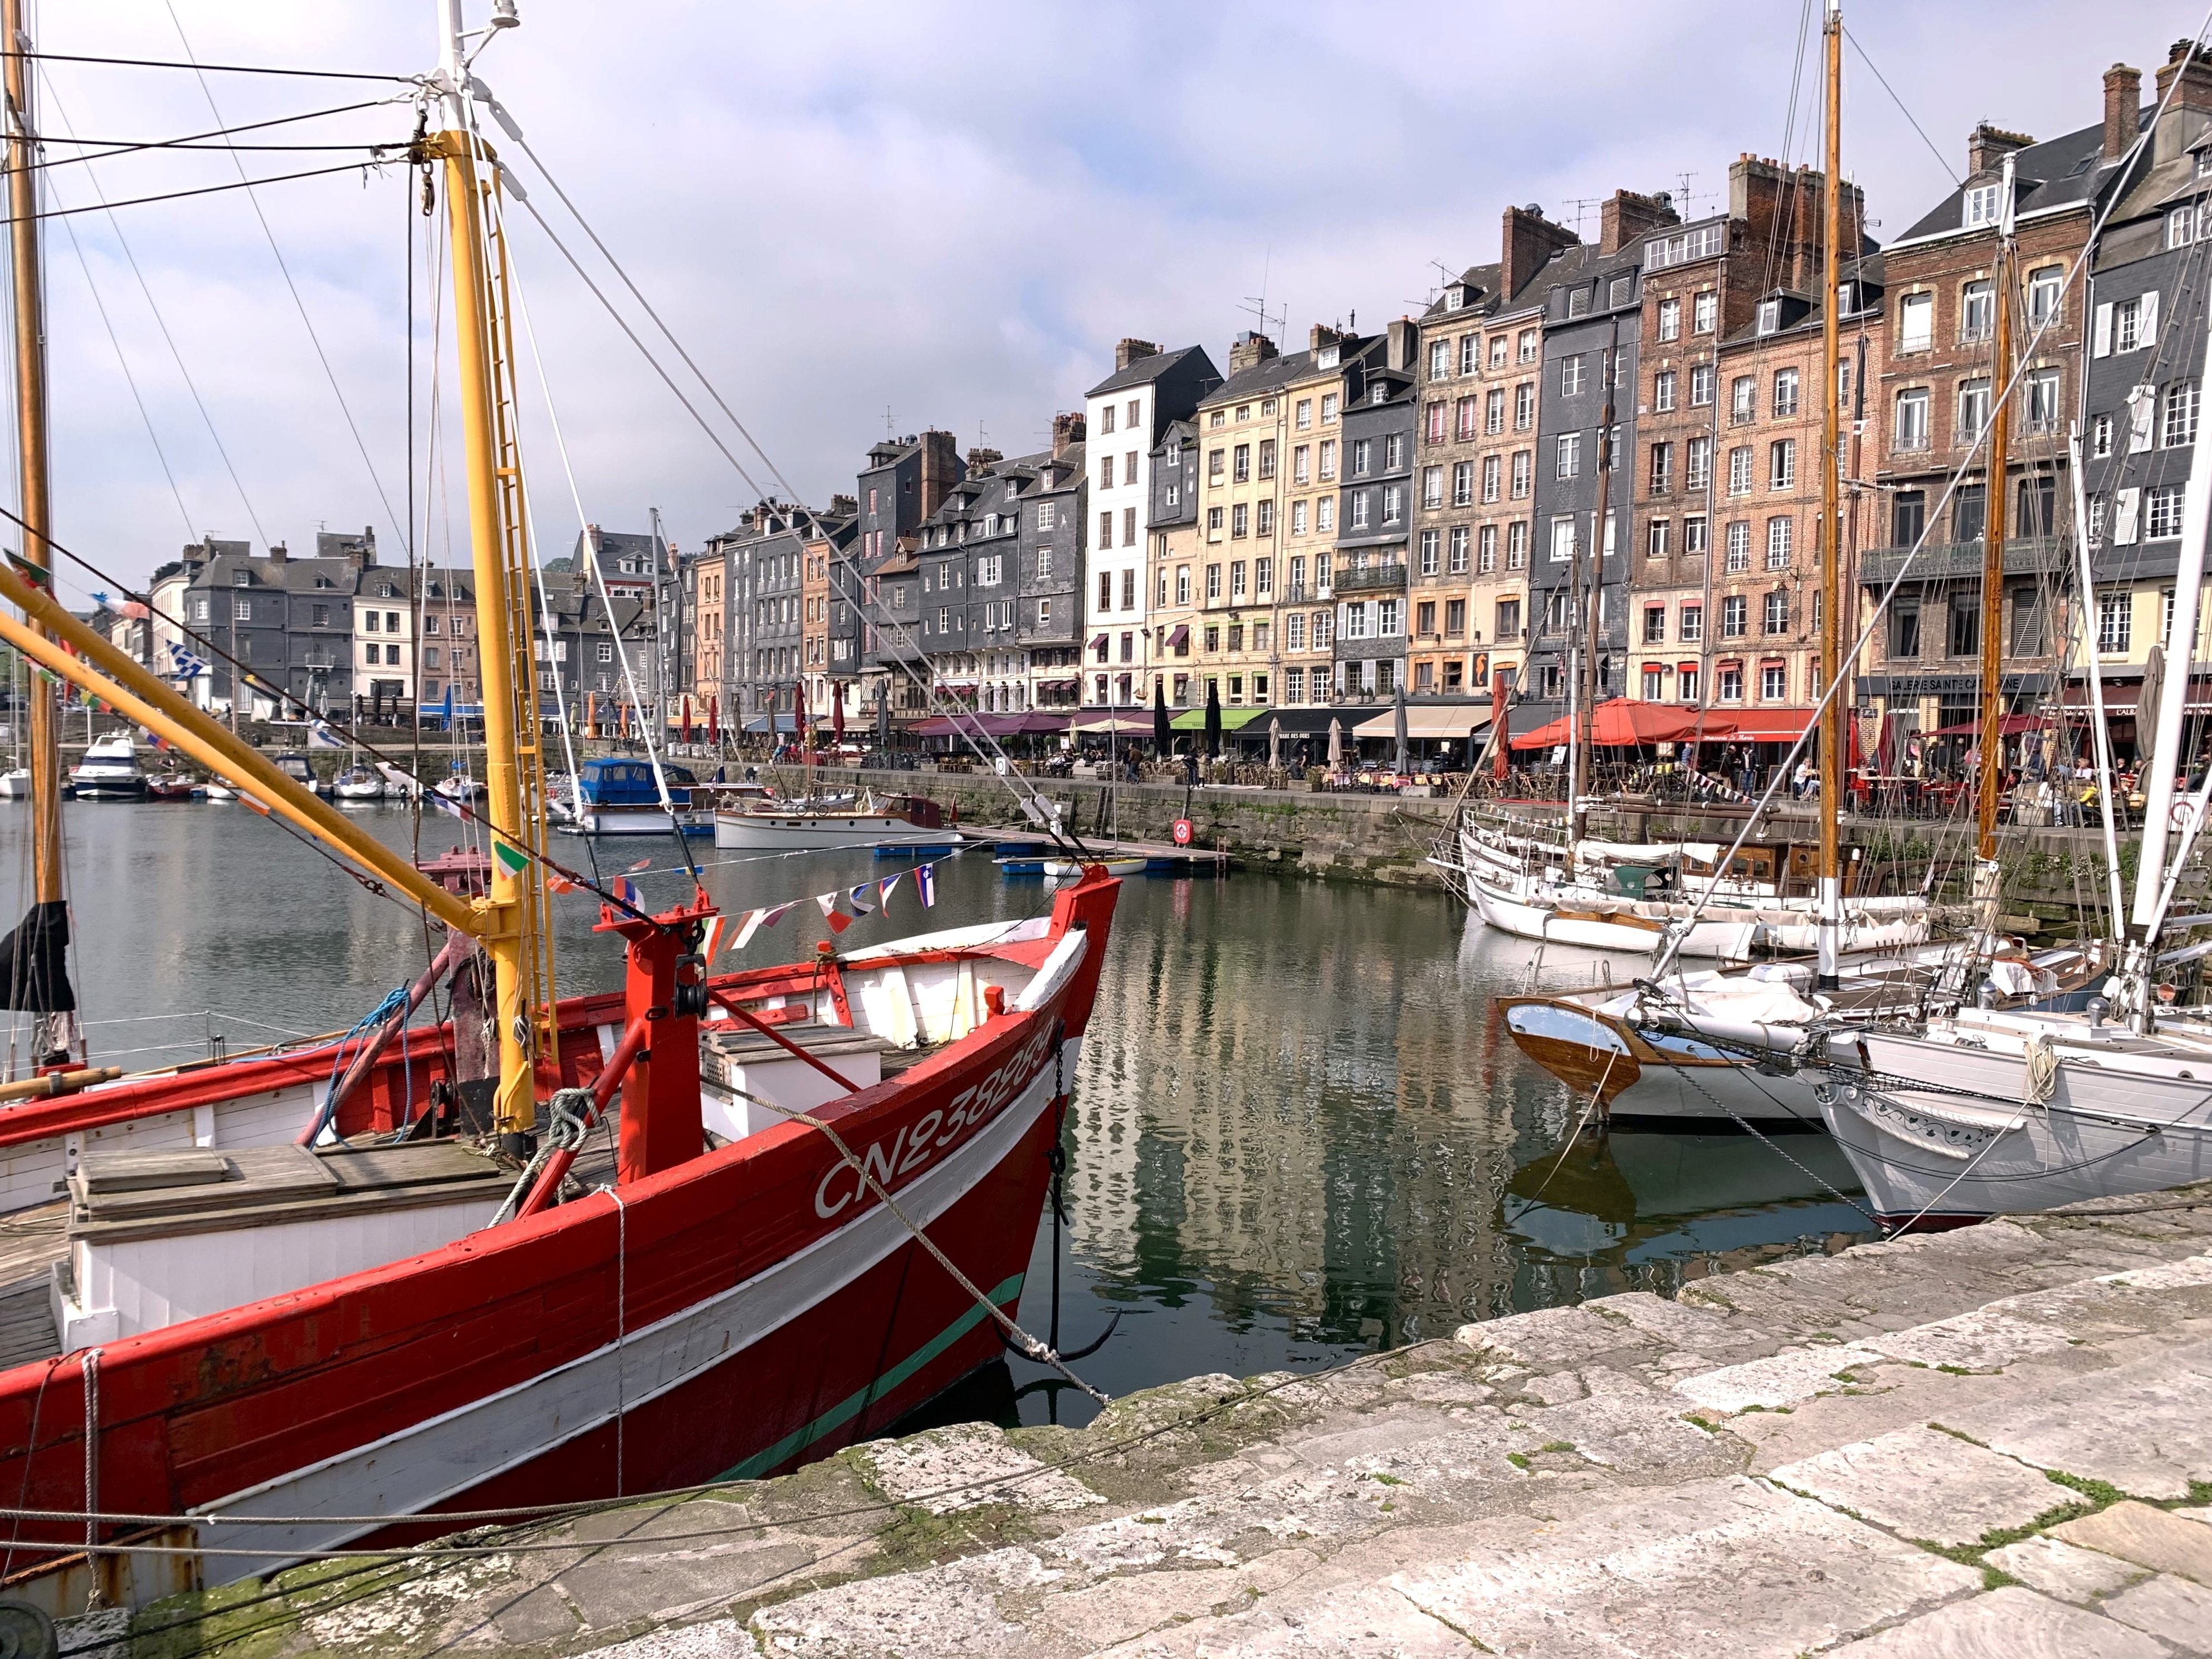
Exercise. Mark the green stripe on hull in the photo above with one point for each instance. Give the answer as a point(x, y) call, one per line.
point(853, 1405)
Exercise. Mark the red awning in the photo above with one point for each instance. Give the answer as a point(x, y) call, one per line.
point(1179, 638)
point(1767, 724)
point(1098, 644)
point(1625, 720)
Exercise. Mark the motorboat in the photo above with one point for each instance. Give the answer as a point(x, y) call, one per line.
point(171, 787)
point(301, 771)
point(1112, 864)
point(109, 770)
point(618, 797)
point(16, 783)
point(359, 783)
point(461, 786)
point(907, 823)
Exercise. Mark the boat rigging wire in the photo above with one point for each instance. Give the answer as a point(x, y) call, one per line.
point(210, 69)
point(1864, 58)
point(204, 190)
point(191, 140)
point(344, 408)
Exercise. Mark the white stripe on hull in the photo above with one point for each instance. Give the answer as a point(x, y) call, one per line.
point(434, 1461)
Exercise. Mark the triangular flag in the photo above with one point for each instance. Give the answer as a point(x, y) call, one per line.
point(626, 892)
point(748, 924)
point(925, 883)
point(512, 858)
point(859, 900)
point(886, 884)
point(838, 921)
point(711, 938)
point(770, 917)
point(642, 864)
point(558, 883)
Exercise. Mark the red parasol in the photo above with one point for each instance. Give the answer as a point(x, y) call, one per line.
point(715, 721)
point(687, 718)
point(1624, 721)
point(838, 710)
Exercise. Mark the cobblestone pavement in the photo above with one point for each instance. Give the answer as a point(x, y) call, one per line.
point(1994, 1442)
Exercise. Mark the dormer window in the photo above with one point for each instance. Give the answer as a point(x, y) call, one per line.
point(1382, 391)
point(1981, 205)
point(1770, 316)
point(1328, 357)
point(1455, 297)
point(2204, 163)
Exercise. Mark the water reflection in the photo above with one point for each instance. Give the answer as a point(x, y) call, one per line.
point(1299, 1131)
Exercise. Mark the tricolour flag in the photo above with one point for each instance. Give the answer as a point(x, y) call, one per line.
point(885, 887)
point(558, 883)
point(862, 898)
point(626, 892)
point(512, 858)
point(925, 883)
point(838, 921)
point(712, 938)
point(748, 924)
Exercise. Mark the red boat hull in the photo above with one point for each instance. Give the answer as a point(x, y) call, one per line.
point(735, 1315)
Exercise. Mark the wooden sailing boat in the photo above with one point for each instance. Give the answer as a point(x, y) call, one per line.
point(256, 1318)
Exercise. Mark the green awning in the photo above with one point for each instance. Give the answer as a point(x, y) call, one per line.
point(1193, 719)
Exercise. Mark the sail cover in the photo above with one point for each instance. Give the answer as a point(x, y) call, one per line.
point(35, 958)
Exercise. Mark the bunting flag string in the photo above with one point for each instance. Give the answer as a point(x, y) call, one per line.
point(840, 907)
point(859, 899)
point(838, 921)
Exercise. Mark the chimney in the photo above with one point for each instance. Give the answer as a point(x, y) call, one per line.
point(1249, 351)
point(1987, 146)
point(981, 461)
point(940, 470)
point(2193, 70)
point(1530, 241)
point(277, 553)
point(1399, 353)
point(2123, 109)
point(1066, 432)
point(841, 506)
point(1626, 215)
point(1127, 351)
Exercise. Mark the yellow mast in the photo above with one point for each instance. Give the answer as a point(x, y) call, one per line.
point(520, 941)
point(30, 318)
point(1829, 542)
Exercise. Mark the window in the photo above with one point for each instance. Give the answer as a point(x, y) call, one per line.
point(2042, 401)
point(1770, 316)
point(1236, 582)
point(1662, 468)
point(1325, 515)
point(2162, 511)
point(1431, 551)
point(2129, 328)
point(1323, 629)
point(1294, 633)
point(1973, 411)
point(1328, 459)
point(1698, 471)
point(1776, 616)
point(1705, 312)
point(1433, 429)
point(1981, 207)
point(1662, 391)
point(2115, 624)
point(1908, 517)
point(1298, 518)
point(1916, 322)
point(1694, 624)
point(1773, 682)
point(1508, 619)
point(2141, 401)
point(1563, 538)
point(1470, 353)
point(1785, 393)
point(1389, 614)
point(1523, 470)
point(606, 651)
point(1463, 480)
point(1439, 359)
point(1266, 458)
point(1239, 520)
point(2178, 427)
point(1394, 503)
point(1264, 519)
point(1978, 311)
point(1214, 458)
point(1183, 584)
point(1743, 398)
point(1393, 451)
point(1735, 616)
point(1739, 545)
point(1655, 624)
point(2044, 286)
point(1571, 376)
point(242, 609)
point(1911, 427)
point(1727, 682)
point(1328, 408)
point(1459, 548)
point(2027, 632)
point(372, 654)
point(1655, 682)
point(1656, 537)
point(1782, 463)
point(1105, 590)
point(1362, 452)
point(1670, 319)
point(1105, 472)
point(1778, 533)
point(1240, 468)
point(1516, 544)
point(1301, 464)
point(1355, 620)
point(1302, 415)
point(1213, 523)
point(1739, 473)
point(1493, 412)
point(1571, 455)
point(1525, 405)
point(1527, 343)
point(1701, 380)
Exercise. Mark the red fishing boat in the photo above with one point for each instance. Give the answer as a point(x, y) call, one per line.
point(546, 1251)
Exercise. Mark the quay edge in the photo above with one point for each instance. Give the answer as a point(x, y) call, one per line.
point(1988, 1440)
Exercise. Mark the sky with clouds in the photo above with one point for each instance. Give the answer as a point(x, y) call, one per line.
point(868, 217)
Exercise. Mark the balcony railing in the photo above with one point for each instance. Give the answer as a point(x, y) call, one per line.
point(2027, 556)
point(1378, 578)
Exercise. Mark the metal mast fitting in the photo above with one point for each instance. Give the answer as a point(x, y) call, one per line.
point(521, 943)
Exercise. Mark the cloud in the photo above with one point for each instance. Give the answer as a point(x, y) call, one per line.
point(948, 212)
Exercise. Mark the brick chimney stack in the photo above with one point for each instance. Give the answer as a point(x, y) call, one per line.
point(1249, 351)
point(1987, 146)
point(1066, 432)
point(1530, 241)
point(1401, 347)
point(1627, 215)
point(2193, 71)
point(981, 461)
point(1127, 351)
point(2123, 109)
point(940, 470)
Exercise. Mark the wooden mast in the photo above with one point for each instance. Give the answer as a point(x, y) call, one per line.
point(1993, 540)
point(1830, 541)
point(519, 939)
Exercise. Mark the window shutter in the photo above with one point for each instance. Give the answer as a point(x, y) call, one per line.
point(2126, 506)
point(2141, 402)
point(2101, 331)
point(2148, 335)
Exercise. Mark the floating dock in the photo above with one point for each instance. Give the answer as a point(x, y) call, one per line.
point(1023, 853)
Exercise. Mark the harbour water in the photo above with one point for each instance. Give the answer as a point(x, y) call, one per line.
point(1297, 1133)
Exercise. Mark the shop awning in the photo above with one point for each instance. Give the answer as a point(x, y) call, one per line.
point(1761, 724)
point(1429, 723)
point(1193, 719)
point(1177, 639)
point(991, 725)
point(1098, 644)
point(1100, 724)
point(1625, 721)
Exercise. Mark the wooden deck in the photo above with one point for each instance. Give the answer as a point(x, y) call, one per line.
point(31, 1241)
